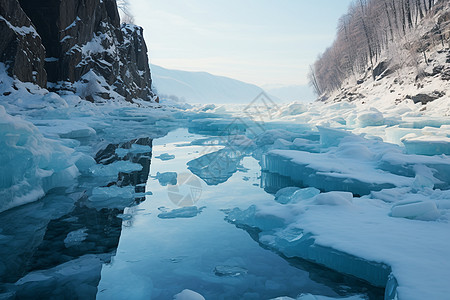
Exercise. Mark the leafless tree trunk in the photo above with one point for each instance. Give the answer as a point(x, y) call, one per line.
point(366, 34)
point(313, 81)
point(391, 30)
point(124, 7)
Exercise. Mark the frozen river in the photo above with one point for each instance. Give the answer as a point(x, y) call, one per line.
point(155, 231)
point(125, 202)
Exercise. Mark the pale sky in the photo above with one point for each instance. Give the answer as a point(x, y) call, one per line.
point(256, 41)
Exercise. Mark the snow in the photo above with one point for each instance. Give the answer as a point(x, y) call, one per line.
point(393, 155)
point(362, 227)
point(360, 187)
point(73, 24)
point(188, 295)
point(23, 30)
point(350, 167)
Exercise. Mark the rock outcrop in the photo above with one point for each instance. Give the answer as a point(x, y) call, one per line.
point(21, 49)
point(86, 49)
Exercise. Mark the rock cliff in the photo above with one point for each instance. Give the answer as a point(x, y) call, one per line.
point(76, 45)
point(20, 46)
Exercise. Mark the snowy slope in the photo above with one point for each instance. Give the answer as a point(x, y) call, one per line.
point(201, 87)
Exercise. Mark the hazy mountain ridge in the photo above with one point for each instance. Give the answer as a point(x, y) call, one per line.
point(201, 87)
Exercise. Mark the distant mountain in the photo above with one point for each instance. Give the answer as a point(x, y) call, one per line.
point(289, 93)
point(201, 87)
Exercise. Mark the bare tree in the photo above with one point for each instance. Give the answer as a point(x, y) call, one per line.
point(364, 34)
point(313, 81)
point(125, 11)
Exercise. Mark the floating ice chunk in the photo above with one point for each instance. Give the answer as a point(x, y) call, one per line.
point(77, 279)
point(395, 134)
point(188, 295)
point(136, 148)
point(403, 164)
point(99, 193)
point(269, 137)
point(415, 209)
point(239, 140)
point(75, 238)
point(328, 172)
point(184, 212)
point(295, 195)
point(84, 162)
point(424, 178)
point(305, 145)
point(304, 194)
point(355, 150)
point(70, 143)
point(165, 156)
point(330, 137)
point(112, 197)
point(252, 217)
point(114, 168)
point(167, 178)
point(373, 118)
point(282, 144)
point(121, 152)
point(78, 133)
point(390, 195)
point(426, 144)
point(64, 177)
point(223, 125)
point(334, 198)
point(285, 195)
point(67, 129)
point(229, 271)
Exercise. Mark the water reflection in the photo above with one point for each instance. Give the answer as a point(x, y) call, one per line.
point(55, 247)
point(217, 167)
point(169, 249)
point(273, 182)
point(129, 151)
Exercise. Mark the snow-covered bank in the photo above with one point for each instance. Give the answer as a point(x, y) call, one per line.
point(402, 221)
point(48, 140)
point(316, 227)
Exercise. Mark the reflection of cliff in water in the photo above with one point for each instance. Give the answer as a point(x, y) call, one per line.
point(64, 241)
point(141, 156)
point(217, 167)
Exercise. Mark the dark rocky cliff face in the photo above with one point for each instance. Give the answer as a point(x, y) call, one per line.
point(21, 48)
point(87, 50)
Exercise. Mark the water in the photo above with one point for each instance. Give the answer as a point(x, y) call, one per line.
point(169, 238)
